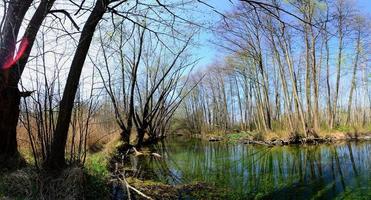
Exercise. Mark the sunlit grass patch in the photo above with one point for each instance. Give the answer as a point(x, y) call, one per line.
point(343, 128)
point(240, 136)
point(97, 171)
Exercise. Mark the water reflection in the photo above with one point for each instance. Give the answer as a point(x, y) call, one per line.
point(289, 172)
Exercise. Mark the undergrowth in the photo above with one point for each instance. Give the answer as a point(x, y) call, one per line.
point(88, 182)
point(97, 175)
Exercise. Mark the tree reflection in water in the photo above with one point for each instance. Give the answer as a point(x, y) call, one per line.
point(248, 171)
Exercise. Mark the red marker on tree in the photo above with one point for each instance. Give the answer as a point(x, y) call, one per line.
point(11, 61)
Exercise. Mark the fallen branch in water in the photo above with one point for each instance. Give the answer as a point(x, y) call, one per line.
point(133, 188)
point(127, 185)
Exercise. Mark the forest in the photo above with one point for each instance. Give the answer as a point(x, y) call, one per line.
point(185, 99)
point(307, 77)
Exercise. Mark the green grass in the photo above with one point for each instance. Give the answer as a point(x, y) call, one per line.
point(343, 128)
point(97, 165)
point(232, 137)
point(97, 175)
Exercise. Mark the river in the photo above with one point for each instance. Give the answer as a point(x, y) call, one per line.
point(325, 171)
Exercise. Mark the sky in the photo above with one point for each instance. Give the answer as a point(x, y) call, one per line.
point(209, 53)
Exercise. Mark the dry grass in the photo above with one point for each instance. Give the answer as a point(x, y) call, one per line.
point(88, 182)
point(99, 135)
point(29, 184)
point(72, 183)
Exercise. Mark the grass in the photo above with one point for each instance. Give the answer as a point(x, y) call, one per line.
point(17, 184)
point(27, 183)
point(97, 175)
point(343, 128)
point(97, 171)
point(234, 137)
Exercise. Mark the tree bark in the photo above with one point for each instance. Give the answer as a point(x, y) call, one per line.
point(9, 93)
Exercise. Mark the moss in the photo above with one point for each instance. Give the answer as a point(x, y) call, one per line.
point(204, 191)
point(143, 183)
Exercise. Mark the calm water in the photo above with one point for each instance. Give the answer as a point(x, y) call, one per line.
point(336, 171)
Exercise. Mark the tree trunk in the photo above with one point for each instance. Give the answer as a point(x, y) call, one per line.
point(141, 133)
point(338, 71)
point(283, 83)
point(13, 21)
point(308, 93)
point(30, 34)
point(315, 83)
point(9, 93)
point(353, 84)
point(9, 112)
point(56, 159)
point(329, 106)
point(298, 106)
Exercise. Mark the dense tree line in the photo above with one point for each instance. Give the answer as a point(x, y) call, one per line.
point(301, 71)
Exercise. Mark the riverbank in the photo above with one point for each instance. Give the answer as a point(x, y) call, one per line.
point(150, 189)
point(131, 175)
point(280, 138)
point(202, 173)
point(102, 177)
point(252, 171)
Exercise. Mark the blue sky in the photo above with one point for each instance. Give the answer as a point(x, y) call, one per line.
point(208, 53)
